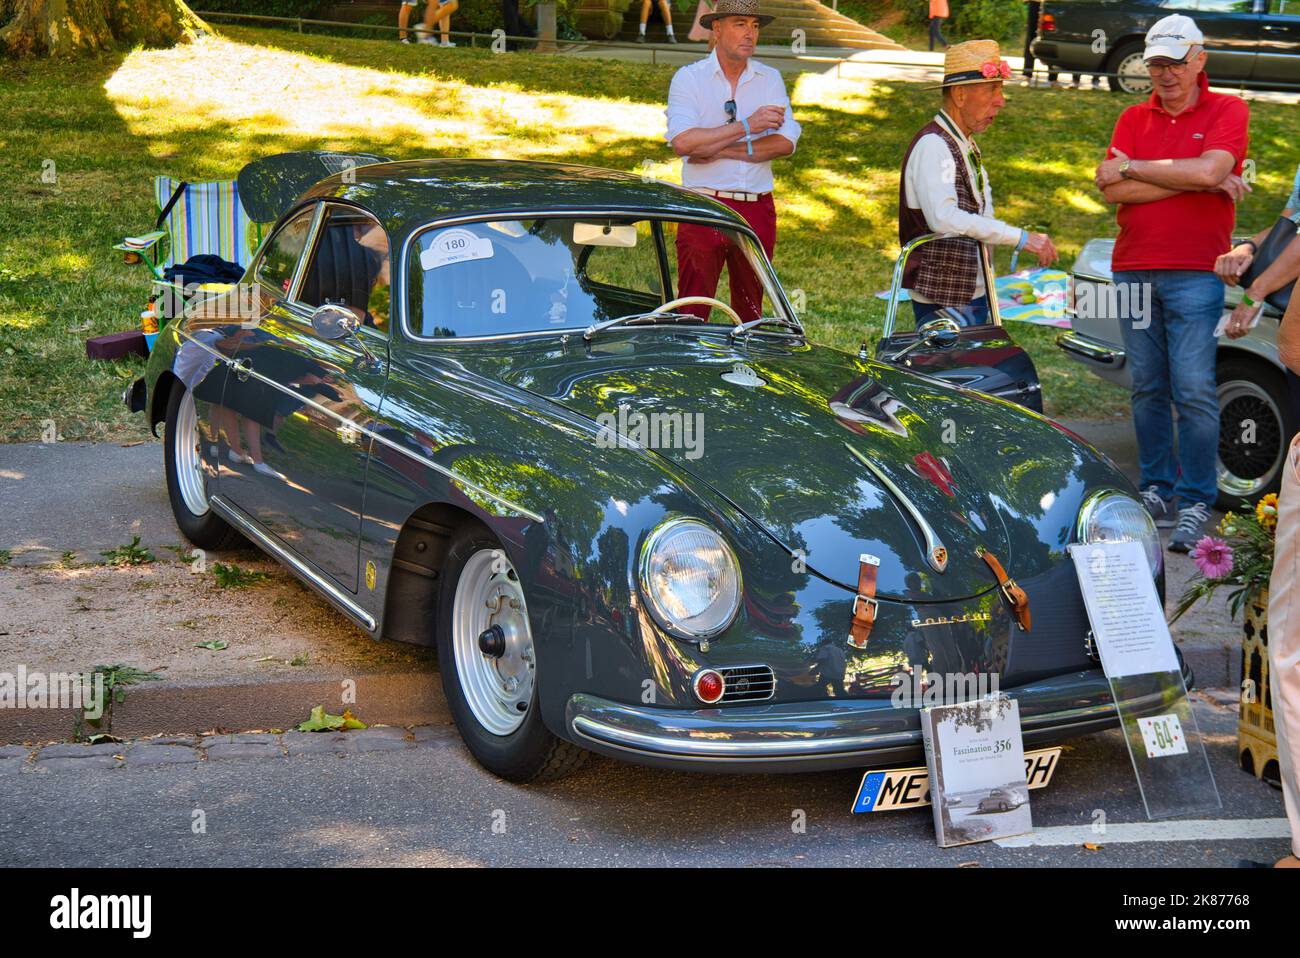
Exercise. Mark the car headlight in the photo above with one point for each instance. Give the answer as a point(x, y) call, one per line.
point(1112, 516)
point(690, 579)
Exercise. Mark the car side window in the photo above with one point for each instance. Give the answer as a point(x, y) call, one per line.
point(1287, 8)
point(277, 266)
point(349, 266)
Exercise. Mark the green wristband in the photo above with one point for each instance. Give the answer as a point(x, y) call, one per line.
point(1247, 300)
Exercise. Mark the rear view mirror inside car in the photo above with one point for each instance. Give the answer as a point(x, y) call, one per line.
point(604, 234)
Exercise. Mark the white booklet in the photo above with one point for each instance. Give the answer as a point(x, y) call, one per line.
point(976, 759)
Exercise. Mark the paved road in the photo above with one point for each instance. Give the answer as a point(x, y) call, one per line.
point(424, 802)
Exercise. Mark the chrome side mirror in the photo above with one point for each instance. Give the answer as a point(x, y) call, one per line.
point(332, 321)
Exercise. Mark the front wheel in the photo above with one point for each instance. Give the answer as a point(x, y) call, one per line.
point(1255, 427)
point(489, 664)
point(186, 481)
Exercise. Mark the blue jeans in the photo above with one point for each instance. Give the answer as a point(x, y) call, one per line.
point(976, 314)
point(1168, 321)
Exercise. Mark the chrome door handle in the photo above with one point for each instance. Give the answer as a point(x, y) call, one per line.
point(242, 367)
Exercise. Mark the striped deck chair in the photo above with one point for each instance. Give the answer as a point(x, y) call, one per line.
point(193, 218)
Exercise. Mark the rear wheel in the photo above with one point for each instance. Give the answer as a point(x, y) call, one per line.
point(1255, 424)
point(186, 479)
point(489, 664)
point(1131, 72)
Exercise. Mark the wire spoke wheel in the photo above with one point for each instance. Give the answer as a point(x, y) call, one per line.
point(498, 688)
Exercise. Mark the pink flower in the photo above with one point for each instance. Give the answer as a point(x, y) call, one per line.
point(1213, 557)
point(996, 68)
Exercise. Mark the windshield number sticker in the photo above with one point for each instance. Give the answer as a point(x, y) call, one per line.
point(454, 246)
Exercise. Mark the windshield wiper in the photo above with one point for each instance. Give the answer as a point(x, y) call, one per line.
point(755, 323)
point(632, 318)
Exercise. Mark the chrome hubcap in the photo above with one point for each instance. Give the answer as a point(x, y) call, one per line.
point(498, 688)
point(189, 461)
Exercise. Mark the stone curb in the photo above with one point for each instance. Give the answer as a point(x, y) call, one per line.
point(186, 709)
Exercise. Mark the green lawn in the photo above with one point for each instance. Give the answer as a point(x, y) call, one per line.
point(201, 112)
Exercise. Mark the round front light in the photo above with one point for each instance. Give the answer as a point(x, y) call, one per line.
point(690, 579)
point(1117, 517)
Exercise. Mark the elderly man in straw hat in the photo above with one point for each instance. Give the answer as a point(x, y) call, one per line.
point(728, 118)
point(945, 189)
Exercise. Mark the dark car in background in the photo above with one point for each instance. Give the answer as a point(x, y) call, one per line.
point(1251, 43)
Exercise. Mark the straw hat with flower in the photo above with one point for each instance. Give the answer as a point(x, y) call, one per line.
point(974, 61)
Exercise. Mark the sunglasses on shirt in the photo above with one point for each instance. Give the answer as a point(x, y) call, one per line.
point(730, 107)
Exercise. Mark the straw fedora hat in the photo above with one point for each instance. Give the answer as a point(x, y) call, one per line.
point(975, 61)
point(735, 8)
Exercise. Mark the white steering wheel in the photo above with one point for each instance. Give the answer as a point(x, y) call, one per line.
point(701, 300)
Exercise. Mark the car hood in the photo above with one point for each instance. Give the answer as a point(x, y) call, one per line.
point(833, 457)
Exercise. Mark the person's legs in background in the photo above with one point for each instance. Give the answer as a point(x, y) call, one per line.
point(936, 33)
point(701, 251)
point(1142, 323)
point(1032, 8)
point(439, 13)
point(746, 290)
point(1192, 302)
point(404, 19)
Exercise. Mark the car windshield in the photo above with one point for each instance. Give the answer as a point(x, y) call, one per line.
point(508, 277)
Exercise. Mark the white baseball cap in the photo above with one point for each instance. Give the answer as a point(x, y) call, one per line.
point(1173, 37)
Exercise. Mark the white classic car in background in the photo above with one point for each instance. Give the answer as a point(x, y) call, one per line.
point(1256, 419)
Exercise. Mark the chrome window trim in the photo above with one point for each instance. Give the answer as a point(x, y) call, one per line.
point(313, 239)
point(260, 256)
point(443, 222)
point(235, 517)
point(369, 433)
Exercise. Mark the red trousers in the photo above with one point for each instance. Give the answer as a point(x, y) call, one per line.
point(702, 251)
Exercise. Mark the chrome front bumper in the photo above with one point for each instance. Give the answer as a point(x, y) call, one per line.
point(799, 736)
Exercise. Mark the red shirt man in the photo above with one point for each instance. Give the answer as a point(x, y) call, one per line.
point(1174, 174)
point(1186, 229)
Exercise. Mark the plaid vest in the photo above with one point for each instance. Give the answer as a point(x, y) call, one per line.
point(943, 271)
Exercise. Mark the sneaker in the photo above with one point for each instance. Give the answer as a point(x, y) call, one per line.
point(405, 40)
point(447, 43)
point(1193, 522)
point(1161, 509)
point(264, 469)
point(640, 38)
point(238, 458)
point(672, 38)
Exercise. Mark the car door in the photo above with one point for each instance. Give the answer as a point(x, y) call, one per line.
point(1232, 33)
point(309, 402)
point(1279, 46)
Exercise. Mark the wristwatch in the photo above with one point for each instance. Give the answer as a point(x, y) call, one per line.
point(1123, 169)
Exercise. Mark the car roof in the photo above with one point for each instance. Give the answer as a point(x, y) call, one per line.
point(406, 194)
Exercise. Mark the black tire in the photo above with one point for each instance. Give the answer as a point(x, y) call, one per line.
point(207, 530)
point(529, 754)
point(1117, 57)
point(1254, 404)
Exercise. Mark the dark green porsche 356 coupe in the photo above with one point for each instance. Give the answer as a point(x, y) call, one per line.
point(464, 401)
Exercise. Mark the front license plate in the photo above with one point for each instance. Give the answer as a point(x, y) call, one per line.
point(890, 789)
